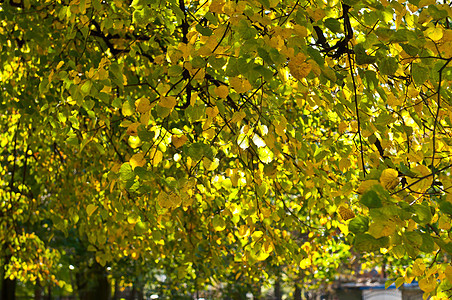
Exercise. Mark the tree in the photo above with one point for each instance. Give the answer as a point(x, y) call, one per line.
point(228, 139)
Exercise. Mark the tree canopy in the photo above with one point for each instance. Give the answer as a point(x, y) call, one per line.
point(224, 140)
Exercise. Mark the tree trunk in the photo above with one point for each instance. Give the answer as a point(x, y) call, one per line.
point(92, 283)
point(38, 291)
point(133, 294)
point(8, 289)
point(258, 294)
point(49, 293)
point(8, 286)
point(137, 290)
point(297, 293)
point(116, 292)
point(278, 295)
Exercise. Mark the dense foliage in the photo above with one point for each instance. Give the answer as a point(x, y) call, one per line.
point(225, 141)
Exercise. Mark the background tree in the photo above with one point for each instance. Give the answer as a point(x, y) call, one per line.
point(216, 139)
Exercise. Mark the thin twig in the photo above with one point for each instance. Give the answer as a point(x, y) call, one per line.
point(435, 124)
point(357, 113)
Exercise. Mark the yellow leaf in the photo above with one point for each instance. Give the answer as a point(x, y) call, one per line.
point(423, 3)
point(238, 116)
point(222, 91)
point(412, 225)
point(217, 6)
point(209, 133)
point(262, 255)
point(268, 246)
point(175, 200)
point(168, 102)
point(218, 223)
point(417, 184)
point(416, 156)
point(343, 228)
point(389, 179)
point(418, 267)
point(346, 213)
point(305, 263)
point(243, 231)
point(422, 170)
point(133, 219)
point(60, 64)
point(171, 200)
point(178, 141)
point(344, 163)
point(279, 129)
point(444, 223)
point(209, 164)
point(428, 284)
point(448, 273)
point(366, 185)
point(143, 105)
point(281, 126)
point(156, 157)
point(144, 118)
point(301, 31)
point(317, 14)
point(394, 101)
point(127, 109)
point(257, 235)
point(90, 209)
point(163, 200)
point(381, 229)
point(137, 160)
point(212, 112)
point(133, 129)
point(343, 126)
point(435, 33)
point(186, 49)
point(298, 67)
point(240, 85)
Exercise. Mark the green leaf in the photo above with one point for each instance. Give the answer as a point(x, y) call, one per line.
point(198, 62)
point(266, 73)
point(444, 246)
point(413, 241)
point(333, 24)
point(359, 224)
point(419, 73)
point(175, 70)
point(144, 134)
point(371, 199)
point(316, 55)
point(388, 283)
point(410, 49)
point(388, 66)
point(366, 242)
point(428, 245)
point(43, 86)
point(265, 3)
point(361, 56)
point(206, 31)
point(265, 55)
point(196, 151)
point(422, 214)
point(218, 223)
point(126, 172)
point(90, 209)
point(139, 17)
point(446, 207)
point(86, 87)
point(138, 4)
